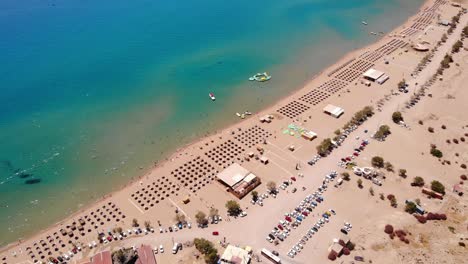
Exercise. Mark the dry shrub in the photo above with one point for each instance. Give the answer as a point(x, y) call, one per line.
point(388, 229)
point(346, 251)
point(421, 219)
point(392, 236)
point(463, 177)
point(332, 256)
point(455, 141)
point(463, 166)
point(390, 196)
point(400, 233)
point(342, 243)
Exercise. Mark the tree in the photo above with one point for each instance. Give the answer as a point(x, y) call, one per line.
point(371, 191)
point(393, 201)
point(207, 249)
point(377, 162)
point(444, 38)
point(213, 212)
point(359, 183)
point(388, 166)
point(457, 46)
point(119, 255)
point(118, 230)
point(402, 173)
point(418, 181)
point(465, 31)
point(337, 132)
point(417, 201)
point(200, 217)
point(345, 176)
point(179, 218)
point(147, 224)
point(325, 147)
point(271, 185)
point(397, 117)
point(135, 222)
point(402, 83)
point(410, 207)
point(254, 196)
point(233, 208)
point(437, 186)
point(436, 153)
point(368, 111)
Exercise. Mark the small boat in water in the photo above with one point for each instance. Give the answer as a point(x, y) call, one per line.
point(240, 115)
point(260, 77)
point(364, 23)
point(211, 95)
point(373, 33)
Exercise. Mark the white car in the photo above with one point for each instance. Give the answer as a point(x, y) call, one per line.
point(243, 214)
point(161, 230)
point(161, 249)
point(155, 250)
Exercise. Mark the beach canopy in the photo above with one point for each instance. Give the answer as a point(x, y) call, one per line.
point(420, 47)
point(373, 74)
point(334, 111)
point(233, 174)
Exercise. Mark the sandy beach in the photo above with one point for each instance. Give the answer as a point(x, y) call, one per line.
point(190, 173)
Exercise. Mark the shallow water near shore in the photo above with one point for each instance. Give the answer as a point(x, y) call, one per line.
point(94, 92)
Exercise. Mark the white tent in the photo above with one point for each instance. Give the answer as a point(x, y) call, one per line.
point(334, 111)
point(373, 74)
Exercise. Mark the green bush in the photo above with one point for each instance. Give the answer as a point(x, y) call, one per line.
point(410, 207)
point(377, 162)
point(437, 186)
point(436, 153)
point(397, 117)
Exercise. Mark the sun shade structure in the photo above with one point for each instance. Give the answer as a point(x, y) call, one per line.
point(373, 74)
point(309, 135)
point(334, 111)
point(235, 255)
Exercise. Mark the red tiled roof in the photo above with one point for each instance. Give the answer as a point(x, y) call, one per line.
point(102, 258)
point(145, 255)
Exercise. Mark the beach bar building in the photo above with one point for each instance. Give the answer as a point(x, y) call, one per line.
point(235, 255)
point(334, 111)
point(376, 76)
point(238, 180)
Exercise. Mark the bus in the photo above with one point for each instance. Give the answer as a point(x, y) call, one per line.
point(270, 256)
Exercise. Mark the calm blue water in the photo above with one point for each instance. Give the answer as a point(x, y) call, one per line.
point(93, 91)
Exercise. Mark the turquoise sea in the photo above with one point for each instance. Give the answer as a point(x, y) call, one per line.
point(92, 93)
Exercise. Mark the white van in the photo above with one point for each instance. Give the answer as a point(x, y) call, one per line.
point(176, 247)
